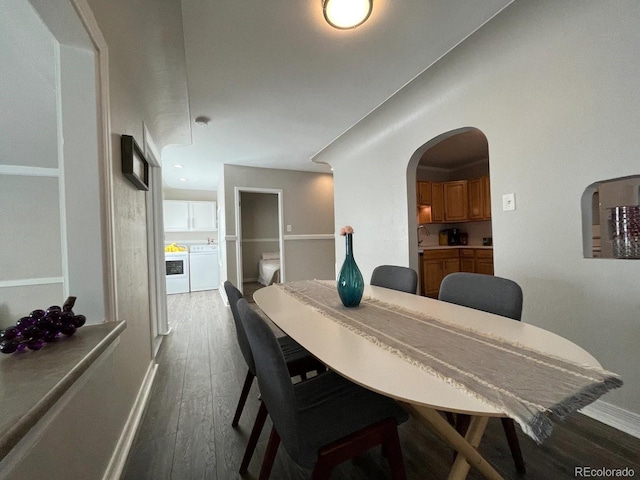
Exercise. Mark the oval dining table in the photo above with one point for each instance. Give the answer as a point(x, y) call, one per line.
point(421, 392)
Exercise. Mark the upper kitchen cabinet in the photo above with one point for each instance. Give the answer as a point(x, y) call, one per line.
point(424, 193)
point(456, 166)
point(486, 196)
point(456, 201)
point(437, 202)
point(479, 199)
point(186, 216)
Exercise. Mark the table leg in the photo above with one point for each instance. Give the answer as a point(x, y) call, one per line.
point(461, 466)
point(465, 446)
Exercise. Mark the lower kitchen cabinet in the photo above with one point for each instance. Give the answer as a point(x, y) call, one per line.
point(438, 263)
point(484, 261)
point(467, 260)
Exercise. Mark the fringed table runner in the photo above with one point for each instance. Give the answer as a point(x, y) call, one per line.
point(527, 385)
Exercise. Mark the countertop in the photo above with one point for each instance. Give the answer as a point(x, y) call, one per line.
point(447, 247)
point(33, 381)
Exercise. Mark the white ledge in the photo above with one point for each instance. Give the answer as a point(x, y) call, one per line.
point(33, 381)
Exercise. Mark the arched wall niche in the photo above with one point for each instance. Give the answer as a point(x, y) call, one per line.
point(611, 218)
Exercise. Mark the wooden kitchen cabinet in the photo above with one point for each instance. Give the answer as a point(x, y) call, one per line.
point(467, 260)
point(486, 197)
point(437, 202)
point(437, 264)
point(484, 261)
point(476, 199)
point(424, 193)
point(479, 199)
point(456, 202)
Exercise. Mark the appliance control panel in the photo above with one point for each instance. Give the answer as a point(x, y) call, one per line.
point(203, 248)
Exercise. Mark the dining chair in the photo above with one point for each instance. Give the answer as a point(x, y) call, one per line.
point(395, 277)
point(323, 421)
point(492, 294)
point(299, 361)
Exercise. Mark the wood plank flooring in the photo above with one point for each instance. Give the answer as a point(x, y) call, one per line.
point(186, 430)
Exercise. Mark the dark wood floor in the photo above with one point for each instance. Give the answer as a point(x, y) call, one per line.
point(186, 433)
point(249, 288)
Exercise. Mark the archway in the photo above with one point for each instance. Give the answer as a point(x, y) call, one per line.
point(449, 200)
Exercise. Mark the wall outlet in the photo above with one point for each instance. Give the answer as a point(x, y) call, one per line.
point(508, 202)
point(288, 228)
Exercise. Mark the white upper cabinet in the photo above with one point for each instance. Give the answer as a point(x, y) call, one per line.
point(185, 216)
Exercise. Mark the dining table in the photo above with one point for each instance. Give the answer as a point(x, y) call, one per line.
point(359, 351)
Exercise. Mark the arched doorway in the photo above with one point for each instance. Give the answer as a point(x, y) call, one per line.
point(452, 205)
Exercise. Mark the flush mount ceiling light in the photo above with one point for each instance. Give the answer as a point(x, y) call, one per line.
point(202, 121)
point(345, 14)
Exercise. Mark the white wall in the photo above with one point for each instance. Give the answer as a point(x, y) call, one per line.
point(51, 235)
point(554, 87)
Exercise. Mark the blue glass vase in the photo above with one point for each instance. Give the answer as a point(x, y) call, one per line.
point(350, 281)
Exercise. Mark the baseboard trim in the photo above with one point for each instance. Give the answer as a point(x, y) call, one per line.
point(121, 452)
point(616, 417)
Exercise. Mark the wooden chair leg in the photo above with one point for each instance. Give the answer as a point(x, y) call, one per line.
point(269, 455)
point(514, 444)
point(243, 398)
point(383, 433)
point(392, 450)
point(253, 438)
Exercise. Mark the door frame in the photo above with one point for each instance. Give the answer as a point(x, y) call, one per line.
point(238, 222)
point(155, 245)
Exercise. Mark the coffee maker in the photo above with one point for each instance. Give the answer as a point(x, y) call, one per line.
point(454, 236)
point(450, 236)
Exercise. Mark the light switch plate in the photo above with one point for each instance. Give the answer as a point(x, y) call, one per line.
point(508, 202)
point(288, 228)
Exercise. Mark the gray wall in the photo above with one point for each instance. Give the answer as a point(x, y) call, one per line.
point(97, 410)
point(308, 208)
point(554, 87)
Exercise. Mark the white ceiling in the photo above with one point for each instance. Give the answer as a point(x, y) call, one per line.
point(279, 84)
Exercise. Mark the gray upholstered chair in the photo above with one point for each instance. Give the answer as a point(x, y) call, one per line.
point(497, 295)
point(324, 420)
point(298, 360)
point(395, 277)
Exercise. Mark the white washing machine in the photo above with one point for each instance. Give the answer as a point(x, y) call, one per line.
point(203, 267)
point(177, 272)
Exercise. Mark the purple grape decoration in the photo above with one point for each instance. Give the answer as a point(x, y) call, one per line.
point(41, 327)
point(79, 320)
point(8, 346)
point(37, 314)
point(9, 334)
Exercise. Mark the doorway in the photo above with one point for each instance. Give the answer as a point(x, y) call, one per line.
point(456, 156)
point(259, 244)
point(453, 206)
